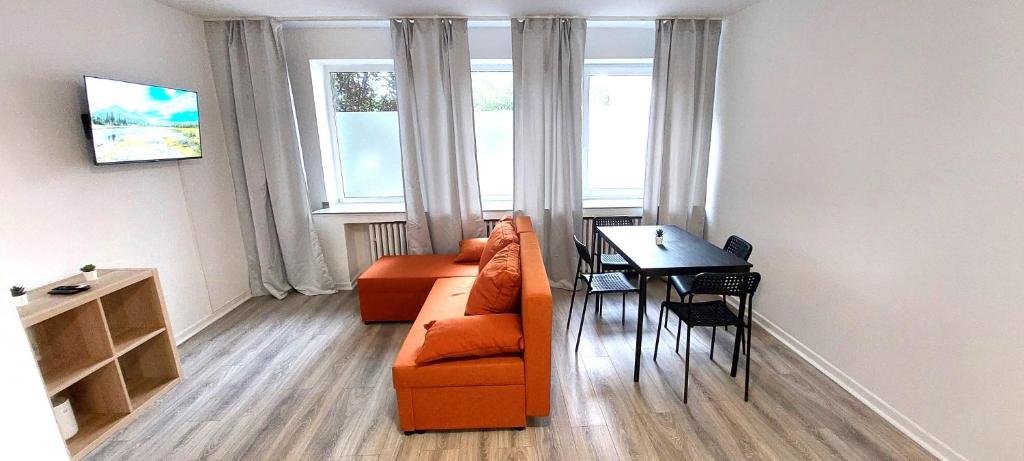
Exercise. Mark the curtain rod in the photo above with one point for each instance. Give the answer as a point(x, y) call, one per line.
point(471, 18)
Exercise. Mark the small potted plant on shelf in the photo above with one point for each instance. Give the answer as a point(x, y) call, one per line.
point(20, 296)
point(89, 270)
point(659, 236)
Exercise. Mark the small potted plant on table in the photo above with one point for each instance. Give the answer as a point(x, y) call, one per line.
point(659, 236)
point(20, 296)
point(89, 270)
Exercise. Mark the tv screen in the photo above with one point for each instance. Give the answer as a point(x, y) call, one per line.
point(141, 123)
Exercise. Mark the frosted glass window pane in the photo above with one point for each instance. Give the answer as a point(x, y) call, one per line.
point(371, 158)
point(366, 131)
point(617, 118)
point(492, 103)
point(494, 153)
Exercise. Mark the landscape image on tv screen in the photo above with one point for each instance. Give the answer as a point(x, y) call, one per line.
point(137, 123)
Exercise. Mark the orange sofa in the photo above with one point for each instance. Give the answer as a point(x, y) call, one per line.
point(395, 287)
point(476, 393)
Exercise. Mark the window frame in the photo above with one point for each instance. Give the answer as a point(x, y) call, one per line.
point(493, 203)
point(601, 67)
point(334, 183)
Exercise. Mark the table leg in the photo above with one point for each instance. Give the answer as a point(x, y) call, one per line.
point(641, 308)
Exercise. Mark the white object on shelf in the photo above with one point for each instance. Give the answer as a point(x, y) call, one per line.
point(91, 275)
point(20, 300)
point(659, 239)
point(66, 421)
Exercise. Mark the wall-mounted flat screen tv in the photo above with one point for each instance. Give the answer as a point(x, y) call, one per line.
point(130, 122)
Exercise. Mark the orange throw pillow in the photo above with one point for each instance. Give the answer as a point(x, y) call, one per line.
point(502, 234)
point(471, 249)
point(508, 218)
point(496, 288)
point(476, 336)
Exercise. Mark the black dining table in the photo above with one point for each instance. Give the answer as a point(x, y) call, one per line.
point(681, 253)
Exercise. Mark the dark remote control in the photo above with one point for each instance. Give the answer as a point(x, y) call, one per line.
point(68, 289)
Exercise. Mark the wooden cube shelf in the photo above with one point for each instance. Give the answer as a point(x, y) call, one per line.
point(133, 314)
point(99, 401)
point(148, 369)
point(109, 349)
point(72, 344)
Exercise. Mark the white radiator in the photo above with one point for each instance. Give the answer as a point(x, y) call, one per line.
point(588, 235)
point(387, 239)
point(490, 223)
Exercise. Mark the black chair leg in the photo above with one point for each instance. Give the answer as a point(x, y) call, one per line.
point(746, 379)
point(736, 350)
point(749, 331)
point(583, 316)
point(686, 374)
point(572, 300)
point(713, 329)
point(600, 304)
point(623, 308)
point(679, 326)
point(657, 338)
point(726, 303)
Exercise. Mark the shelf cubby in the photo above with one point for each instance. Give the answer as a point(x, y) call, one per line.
point(109, 349)
point(72, 345)
point(133, 314)
point(148, 369)
point(99, 401)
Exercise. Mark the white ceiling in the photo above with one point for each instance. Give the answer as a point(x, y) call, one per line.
point(467, 8)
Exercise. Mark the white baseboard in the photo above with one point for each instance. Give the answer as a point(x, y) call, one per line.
point(874, 402)
point(191, 331)
point(345, 286)
point(348, 285)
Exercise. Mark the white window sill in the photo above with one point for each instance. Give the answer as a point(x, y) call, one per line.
point(497, 206)
point(591, 208)
point(362, 208)
point(613, 203)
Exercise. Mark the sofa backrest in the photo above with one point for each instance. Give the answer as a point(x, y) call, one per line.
point(536, 314)
point(523, 223)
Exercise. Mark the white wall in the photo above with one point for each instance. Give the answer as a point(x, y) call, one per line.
point(27, 427)
point(873, 153)
point(59, 210)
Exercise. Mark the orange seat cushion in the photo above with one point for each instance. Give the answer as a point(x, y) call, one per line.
point(394, 287)
point(447, 299)
point(470, 250)
point(496, 289)
point(472, 336)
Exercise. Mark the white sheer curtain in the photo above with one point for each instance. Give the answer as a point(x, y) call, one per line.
point(266, 161)
point(547, 61)
point(435, 113)
point(682, 102)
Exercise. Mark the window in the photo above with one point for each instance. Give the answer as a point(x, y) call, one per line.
point(616, 110)
point(492, 114)
point(364, 153)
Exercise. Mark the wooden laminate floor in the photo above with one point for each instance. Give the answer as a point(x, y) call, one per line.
point(303, 378)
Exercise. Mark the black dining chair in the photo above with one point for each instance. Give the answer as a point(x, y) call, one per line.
point(608, 262)
point(597, 283)
point(682, 283)
point(714, 314)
